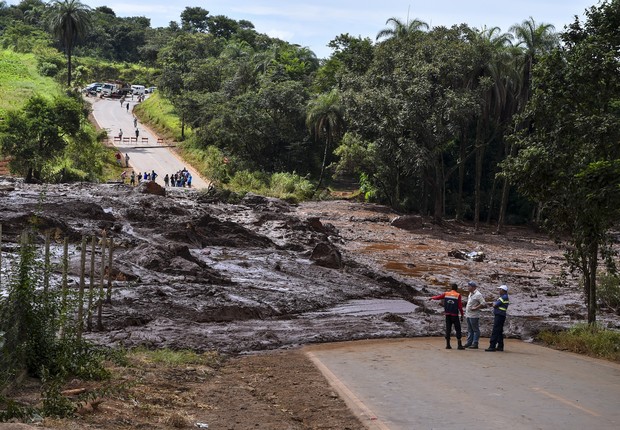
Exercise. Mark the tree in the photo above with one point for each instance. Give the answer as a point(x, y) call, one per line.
point(569, 157)
point(69, 20)
point(533, 41)
point(489, 77)
point(325, 119)
point(411, 104)
point(400, 28)
point(195, 19)
point(34, 136)
point(222, 26)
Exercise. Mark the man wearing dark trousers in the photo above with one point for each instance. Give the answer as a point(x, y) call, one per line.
point(452, 305)
point(500, 306)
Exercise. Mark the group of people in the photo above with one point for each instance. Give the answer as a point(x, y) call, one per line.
point(136, 179)
point(182, 179)
point(453, 306)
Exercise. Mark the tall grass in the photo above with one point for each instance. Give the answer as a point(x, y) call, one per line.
point(169, 357)
point(19, 80)
point(592, 340)
point(160, 114)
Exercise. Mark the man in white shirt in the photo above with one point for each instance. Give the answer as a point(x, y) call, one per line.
point(475, 303)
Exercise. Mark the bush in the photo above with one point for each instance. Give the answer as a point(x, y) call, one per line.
point(245, 181)
point(592, 340)
point(608, 291)
point(36, 337)
point(290, 186)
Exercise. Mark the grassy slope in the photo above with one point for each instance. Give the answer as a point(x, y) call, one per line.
point(159, 113)
point(19, 79)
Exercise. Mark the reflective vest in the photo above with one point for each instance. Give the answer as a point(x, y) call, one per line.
point(501, 305)
point(451, 302)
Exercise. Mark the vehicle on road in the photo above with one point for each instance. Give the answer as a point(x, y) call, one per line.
point(108, 88)
point(138, 89)
point(150, 90)
point(93, 89)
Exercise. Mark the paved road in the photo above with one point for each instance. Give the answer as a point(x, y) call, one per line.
point(145, 153)
point(416, 384)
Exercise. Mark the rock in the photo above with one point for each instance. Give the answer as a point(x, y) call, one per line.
point(326, 255)
point(315, 224)
point(408, 222)
point(152, 187)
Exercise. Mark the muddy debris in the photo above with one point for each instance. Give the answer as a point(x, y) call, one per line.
point(194, 271)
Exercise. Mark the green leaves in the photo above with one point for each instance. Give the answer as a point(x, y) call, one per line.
point(38, 133)
point(569, 157)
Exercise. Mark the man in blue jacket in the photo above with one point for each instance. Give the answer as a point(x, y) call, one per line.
point(500, 306)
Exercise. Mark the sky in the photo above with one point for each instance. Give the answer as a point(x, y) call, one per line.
point(314, 23)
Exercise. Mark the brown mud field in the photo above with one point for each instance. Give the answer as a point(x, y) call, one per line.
point(255, 279)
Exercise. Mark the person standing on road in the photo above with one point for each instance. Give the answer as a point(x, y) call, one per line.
point(135, 122)
point(137, 133)
point(475, 302)
point(126, 160)
point(500, 307)
point(452, 305)
point(127, 106)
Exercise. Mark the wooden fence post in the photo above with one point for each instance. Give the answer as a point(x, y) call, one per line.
point(109, 293)
point(101, 294)
point(80, 315)
point(0, 255)
point(46, 264)
point(64, 287)
point(89, 317)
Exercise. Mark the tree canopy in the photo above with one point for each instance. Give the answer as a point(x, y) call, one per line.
point(568, 158)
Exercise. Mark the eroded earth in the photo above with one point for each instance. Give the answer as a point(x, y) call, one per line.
point(192, 271)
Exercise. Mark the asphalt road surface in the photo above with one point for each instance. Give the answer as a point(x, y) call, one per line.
point(407, 384)
point(146, 152)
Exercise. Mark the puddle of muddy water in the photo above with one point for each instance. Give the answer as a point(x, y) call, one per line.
point(371, 307)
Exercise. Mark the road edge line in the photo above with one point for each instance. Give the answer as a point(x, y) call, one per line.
point(359, 409)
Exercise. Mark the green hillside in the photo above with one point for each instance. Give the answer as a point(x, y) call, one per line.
point(19, 79)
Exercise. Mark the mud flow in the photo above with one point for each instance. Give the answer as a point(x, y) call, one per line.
point(191, 271)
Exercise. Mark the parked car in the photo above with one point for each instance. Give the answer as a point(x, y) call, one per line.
point(138, 89)
point(150, 90)
point(93, 88)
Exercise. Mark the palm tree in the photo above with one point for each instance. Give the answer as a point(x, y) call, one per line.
point(533, 40)
point(325, 119)
point(492, 48)
point(400, 28)
point(69, 20)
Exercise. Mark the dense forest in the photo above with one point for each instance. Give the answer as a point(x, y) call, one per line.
point(468, 123)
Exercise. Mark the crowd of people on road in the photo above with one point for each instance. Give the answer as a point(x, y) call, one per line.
point(181, 179)
point(453, 306)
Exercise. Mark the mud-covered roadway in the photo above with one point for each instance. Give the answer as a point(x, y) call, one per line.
point(192, 271)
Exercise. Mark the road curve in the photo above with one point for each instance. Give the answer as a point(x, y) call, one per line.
point(404, 384)
point(146, 153)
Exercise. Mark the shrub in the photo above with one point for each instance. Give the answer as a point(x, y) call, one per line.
point(245, 181)
point(290, 186)
point(32, 318)
point(592, 340)
point(608, 291)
